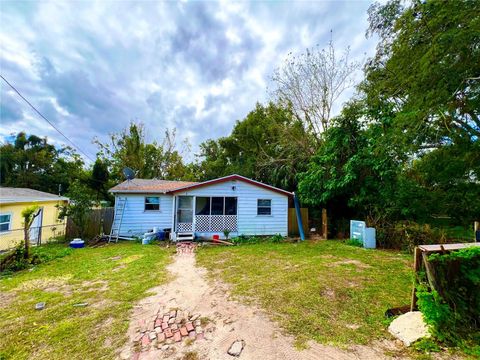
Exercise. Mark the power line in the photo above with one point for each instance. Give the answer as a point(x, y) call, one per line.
point(43, 117)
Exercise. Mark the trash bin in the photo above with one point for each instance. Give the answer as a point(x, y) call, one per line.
point(369, 241)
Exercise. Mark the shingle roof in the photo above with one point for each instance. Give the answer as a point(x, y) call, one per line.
point(150, 185)
point(230, 178)
point(14, 195)
point(165, 186)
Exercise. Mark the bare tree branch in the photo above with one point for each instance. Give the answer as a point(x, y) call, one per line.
point(312, 83)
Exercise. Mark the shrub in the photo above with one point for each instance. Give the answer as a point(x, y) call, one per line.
point(277, 238)
point(407, 235)
point(453, 307)
point(354, 242)
point(245, 239)
point(16, 261)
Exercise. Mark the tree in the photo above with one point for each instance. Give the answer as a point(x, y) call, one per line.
point(149, 160)
point(358, 172)
point(426, 69)
point(269, 145)
point(99, 179)
point(79, 206)
point(28, 214)
point(312, 83)
point(31, 162)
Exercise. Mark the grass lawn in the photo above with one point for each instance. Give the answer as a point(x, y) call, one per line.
point(326, 291)
point(110, 279)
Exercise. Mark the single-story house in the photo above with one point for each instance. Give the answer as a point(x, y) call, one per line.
point(44, 227)
point(191, 210)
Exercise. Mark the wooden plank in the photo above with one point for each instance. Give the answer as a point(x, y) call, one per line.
point(446, 247)
point(293, 224)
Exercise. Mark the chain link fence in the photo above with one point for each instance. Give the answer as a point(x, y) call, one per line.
point(37, 235)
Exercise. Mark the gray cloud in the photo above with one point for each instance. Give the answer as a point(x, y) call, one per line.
point(92, 67)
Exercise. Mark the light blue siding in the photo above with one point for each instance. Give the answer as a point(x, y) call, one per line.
point(249, 223)
point(137, 221)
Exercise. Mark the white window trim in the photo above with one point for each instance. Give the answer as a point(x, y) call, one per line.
point(145, 204)
point(264, 207)
point(9, 222)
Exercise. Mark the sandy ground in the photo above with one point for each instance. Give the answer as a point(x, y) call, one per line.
point(230, 321)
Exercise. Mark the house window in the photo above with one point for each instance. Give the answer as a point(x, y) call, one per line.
point(215, 205)
point(152, 203)
point(202, 206)
point(5, 222)
point(230, 206)
point(264, 207)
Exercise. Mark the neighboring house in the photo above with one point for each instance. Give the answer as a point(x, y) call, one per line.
point(235, 203)
point(45, 226)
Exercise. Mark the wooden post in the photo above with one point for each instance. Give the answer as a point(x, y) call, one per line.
point(476, 227)
point(324, 224)
point(417, 261)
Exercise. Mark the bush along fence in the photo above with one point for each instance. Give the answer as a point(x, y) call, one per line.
point(448, 294)
point(406, 235)
point(99, 221)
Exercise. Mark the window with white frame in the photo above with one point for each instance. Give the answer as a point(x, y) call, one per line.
point(5, 222)
point(264, 207)
point(152, 203)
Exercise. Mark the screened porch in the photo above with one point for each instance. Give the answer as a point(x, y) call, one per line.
point(206, 214)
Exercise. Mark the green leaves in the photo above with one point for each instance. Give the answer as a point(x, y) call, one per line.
point(269, 145)
point(31, 162)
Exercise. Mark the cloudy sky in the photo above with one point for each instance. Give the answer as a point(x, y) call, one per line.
point(91, 67)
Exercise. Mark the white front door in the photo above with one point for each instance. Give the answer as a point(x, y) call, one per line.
point(184, 214)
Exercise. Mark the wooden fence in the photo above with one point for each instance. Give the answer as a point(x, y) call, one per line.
point(100, 221)
point(293, 224)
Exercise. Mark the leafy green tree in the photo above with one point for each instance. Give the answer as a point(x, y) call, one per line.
point(28, 214)
point(149, 160)
point(98, 180)
point(450, 175)
point(79, 207)
point(426, 69)
point(269, 145)
point(31, 162)
point(358, 171)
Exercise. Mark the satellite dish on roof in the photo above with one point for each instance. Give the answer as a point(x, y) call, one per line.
point(128, 173)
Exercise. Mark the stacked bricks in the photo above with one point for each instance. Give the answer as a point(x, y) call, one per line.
point(169, 328)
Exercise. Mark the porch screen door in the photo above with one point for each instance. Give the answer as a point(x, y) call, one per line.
point(185, 213)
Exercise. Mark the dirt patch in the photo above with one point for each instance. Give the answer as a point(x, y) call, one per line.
point(119, 267)
point(130, 259)
point(357, 263)
point(6, 298)
point(98, 285)
point(328, 293)
point(231, 321)
point(56, 284)
point(102, 304)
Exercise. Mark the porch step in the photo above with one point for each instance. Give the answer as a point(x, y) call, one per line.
point(181, 236)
